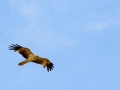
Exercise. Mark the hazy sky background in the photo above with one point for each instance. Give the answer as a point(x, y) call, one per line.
point(81, 38)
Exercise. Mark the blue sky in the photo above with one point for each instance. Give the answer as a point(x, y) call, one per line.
point(81, 38)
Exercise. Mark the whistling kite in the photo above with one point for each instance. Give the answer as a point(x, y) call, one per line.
point(30, 57)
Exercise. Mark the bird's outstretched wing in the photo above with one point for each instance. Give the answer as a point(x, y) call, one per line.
point(44, 62)
point(25, 52)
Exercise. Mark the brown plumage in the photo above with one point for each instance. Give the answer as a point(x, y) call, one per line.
point(30, 57)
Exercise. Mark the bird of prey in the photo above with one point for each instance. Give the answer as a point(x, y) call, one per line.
point(30, 57)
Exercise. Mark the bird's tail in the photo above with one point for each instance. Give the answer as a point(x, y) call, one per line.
point(23, 62)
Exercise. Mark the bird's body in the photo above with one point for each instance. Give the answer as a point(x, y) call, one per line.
point(30, 57)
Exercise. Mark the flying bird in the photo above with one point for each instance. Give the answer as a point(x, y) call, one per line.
point(30, 57)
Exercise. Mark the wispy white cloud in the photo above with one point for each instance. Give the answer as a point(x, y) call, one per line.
point(116, 22)
point(32, 32)
point(95, 26)
point(28, 8)
point(48, 39)
point(60, 5)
